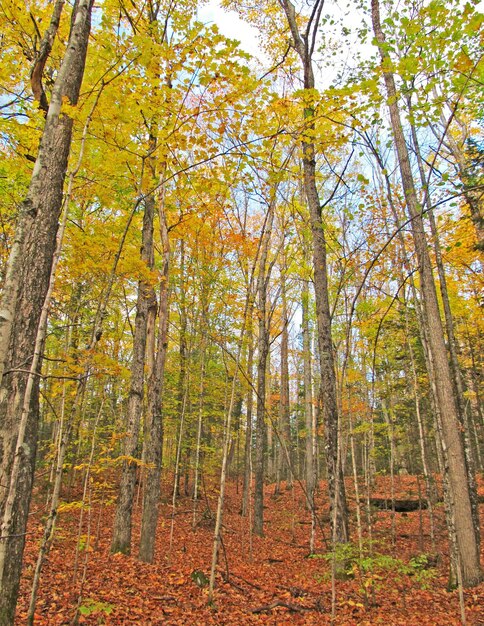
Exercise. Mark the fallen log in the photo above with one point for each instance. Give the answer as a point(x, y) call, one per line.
point(406, 505)
point(400, 506)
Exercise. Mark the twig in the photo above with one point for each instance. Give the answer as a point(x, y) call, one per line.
point(287, 605)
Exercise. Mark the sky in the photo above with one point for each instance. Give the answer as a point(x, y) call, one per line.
point(230, 25)
point(233, 27)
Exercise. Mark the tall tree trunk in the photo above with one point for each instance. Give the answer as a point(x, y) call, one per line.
point(459, 389)
point(182, 349)
point(28, 271)
point(154, 412)
point(461, 504)
point(201, 397)
point(304, 45)
point(421, 433)
point(308, 395)
point(263, 353)
point(285, 454)
point(248, 426)
point(146, 300)
point(309, 413)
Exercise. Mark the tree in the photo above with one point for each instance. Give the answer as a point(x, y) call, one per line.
point(304, 44)
point(467, 546)
point(26, 284)
point(263, 278)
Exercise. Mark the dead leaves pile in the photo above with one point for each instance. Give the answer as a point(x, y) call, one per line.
point(266, 580)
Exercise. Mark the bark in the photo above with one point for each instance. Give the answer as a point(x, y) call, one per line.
point(420, 425)
point(121, 541)
point(248, 427)
point(309, 414)
point(201, 397)
point(359, 527)
point(388, 415)
point(182, 374)
point(304, 45)
point(308, 398)
point(431, 493)
point(473, 196)
point(154, 414)
point(64, 433)
point(285, 428)
point(179, 443)
point(43, 54)
point(452, 346)
point(26, 285)
point(461, 504)
point(476, 376)
point(263, 353)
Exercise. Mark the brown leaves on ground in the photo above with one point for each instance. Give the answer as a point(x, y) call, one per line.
point(268, 580)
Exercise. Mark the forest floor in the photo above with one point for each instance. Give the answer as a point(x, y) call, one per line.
point(268, 580)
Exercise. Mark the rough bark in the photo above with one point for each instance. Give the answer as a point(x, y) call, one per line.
point(263, 353)
point(154, 414)
point(304, 45)
point(308, 397)
point(248, 427)
point(285, 423)
point(26, 285)
point(121, 541)
point(461, 500)
point(452, 345)
point(43, 54)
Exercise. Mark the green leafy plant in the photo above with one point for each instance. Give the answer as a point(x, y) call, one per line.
point(372, 568)
point(199, 578)
point(91, 607)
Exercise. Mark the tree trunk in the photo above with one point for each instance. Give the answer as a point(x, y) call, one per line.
point(336, 488)
point(309, 414)
point(285, 454)
point(459, 390)
point(308, 396)
point(154, 414)
point(263, 353)
point(146, 299)
point(29, 269)
point(461, 505)
point(201, 397)
point(474, 196)
point(248, 427)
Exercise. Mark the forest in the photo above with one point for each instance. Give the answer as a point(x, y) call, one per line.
point(241, 330)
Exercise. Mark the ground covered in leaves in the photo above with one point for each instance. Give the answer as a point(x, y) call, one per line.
point(270, 580)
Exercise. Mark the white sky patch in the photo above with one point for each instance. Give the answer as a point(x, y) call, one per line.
point(230, 25)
